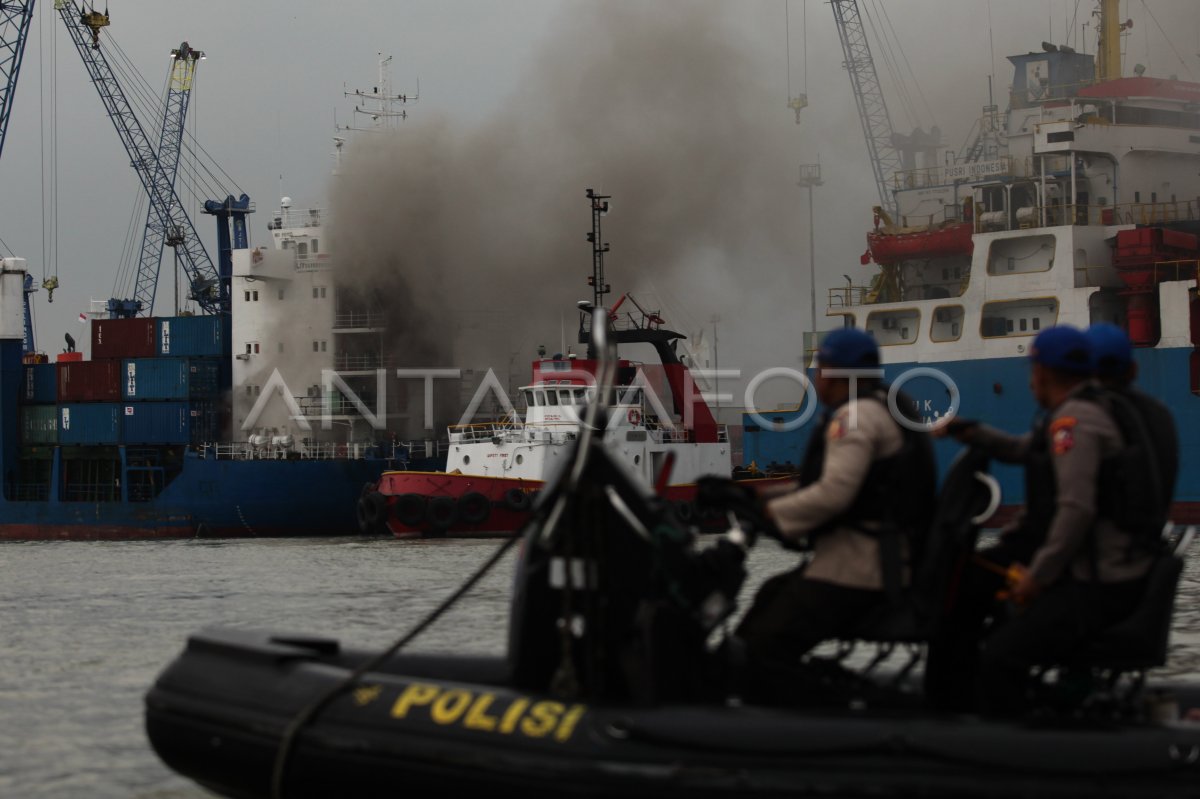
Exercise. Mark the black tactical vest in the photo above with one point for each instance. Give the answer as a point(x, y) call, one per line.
point(898, 492)
point(1135, 484)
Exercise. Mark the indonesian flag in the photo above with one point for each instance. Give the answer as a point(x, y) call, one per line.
point(82, 318)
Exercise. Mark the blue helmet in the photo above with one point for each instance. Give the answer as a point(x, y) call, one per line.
point(848, 348)
point(1063, 348)
point(1112, 353)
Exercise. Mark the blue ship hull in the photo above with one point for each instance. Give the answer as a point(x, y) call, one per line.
point(212, 498)
point(996, 391)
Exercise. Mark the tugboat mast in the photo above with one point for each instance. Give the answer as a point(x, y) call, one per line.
point(599, 247)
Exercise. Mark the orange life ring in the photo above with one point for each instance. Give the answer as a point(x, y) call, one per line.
point(634, 416)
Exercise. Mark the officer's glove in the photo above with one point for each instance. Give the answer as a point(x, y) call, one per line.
point(721, 493)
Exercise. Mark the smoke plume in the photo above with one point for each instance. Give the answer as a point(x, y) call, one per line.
point(474, 239)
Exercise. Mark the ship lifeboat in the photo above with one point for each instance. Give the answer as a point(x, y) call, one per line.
point(892, 245)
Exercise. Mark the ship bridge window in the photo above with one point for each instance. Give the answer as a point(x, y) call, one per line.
point(894, 327)
point(301, 250)
point(312, 245)
point(947, 323)
point(1018, 317)
point(528, 399)
point(632, 397)
point(551, 397)
point(580, 396)
point(1021, 255)
point(539, 398)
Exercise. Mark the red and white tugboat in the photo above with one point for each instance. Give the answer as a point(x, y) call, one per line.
point(660, 428)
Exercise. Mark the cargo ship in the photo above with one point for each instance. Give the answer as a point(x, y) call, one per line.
point(1081, 202)
point(149, 437)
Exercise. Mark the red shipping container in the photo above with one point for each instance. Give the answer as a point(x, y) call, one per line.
point(124, 338)
point(89, 381)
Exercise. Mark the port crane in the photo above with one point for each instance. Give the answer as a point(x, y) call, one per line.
point(207, 286)
point(15, 17)
point(868, 96)
point(184, 60)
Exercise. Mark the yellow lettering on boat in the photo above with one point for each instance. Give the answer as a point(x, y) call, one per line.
point(450, 706)
point(542, 718)
point(569, 721)
point(477, 719)
point(417, 693)
point(509, 721)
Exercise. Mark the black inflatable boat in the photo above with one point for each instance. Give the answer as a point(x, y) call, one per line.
point(613, 686)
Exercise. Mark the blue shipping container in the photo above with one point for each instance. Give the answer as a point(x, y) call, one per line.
point(168, 422)
point(89, 423)
point(169, 378)
point(193, 336)
point(40, 384)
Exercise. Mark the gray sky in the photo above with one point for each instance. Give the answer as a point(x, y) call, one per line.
point(524, 77)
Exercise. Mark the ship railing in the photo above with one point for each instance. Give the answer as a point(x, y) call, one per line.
point(290, 218)
point(682, 435)
point(1037, 216)
point(483, 431)
point(373, 360)
point(29, 492)
point(359, 319)
point(107, 491)
point(848, 296)
point(302, 450)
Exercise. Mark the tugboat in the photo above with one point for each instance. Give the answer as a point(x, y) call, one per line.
point(610, 687)
point(662, 431)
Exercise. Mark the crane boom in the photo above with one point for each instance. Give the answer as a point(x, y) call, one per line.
point(15, 17)
point(206, 286)
point(872, 110)
point(170, 143)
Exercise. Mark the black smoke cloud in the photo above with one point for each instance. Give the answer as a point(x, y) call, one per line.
point(474, 239)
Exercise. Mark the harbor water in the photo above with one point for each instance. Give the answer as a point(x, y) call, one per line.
point(86, 627)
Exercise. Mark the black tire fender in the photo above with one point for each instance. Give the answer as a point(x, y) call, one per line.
point(409, 509)
point(474, 508)
point(516, 499)
point(442, 512)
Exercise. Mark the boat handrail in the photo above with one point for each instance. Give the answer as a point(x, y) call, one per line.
point(1032, 217)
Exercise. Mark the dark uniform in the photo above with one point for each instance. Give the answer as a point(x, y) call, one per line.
point(1080, 549)
point(861, 466)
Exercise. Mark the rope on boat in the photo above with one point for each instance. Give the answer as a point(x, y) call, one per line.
point(316, 706)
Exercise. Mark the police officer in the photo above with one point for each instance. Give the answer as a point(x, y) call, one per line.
point(1115, 369)
point(1072, 570)
point(866, 483)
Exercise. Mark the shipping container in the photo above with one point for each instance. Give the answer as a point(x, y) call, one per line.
point(193, 336)
point(89, 381)
point(123, 338)
point(169, 422)
point(40, 384)
point(39, 424)
point(169, 378)
point(89, 423)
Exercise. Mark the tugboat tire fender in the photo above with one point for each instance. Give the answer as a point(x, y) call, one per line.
point(685, 510)
point(409, 509)
point(442, 512)
point(474, 508)
point(374, 508)
point(516, 499)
